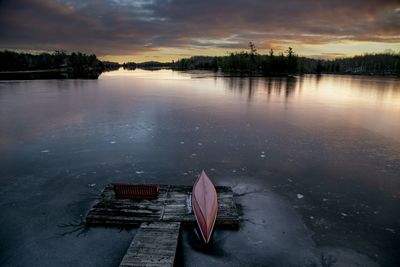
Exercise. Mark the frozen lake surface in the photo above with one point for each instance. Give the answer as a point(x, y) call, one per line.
point(314, 162)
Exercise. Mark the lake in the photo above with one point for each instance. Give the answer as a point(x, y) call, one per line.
point(314, 162)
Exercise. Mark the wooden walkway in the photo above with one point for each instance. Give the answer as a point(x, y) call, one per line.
point(172, 205)
point(159, 219)
point(153, 245)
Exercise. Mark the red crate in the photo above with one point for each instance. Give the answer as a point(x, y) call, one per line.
point(137, 191)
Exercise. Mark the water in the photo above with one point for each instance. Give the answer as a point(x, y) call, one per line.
point(314, 162)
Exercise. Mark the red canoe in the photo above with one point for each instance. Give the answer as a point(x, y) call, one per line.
point(205, 205)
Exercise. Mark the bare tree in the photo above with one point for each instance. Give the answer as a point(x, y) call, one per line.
point(252, 47)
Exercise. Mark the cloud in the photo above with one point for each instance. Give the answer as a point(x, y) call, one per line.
point(129, 27)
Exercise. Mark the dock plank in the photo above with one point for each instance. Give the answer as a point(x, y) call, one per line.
point(153, 245)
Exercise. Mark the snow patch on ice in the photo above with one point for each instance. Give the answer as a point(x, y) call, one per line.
point(189, 203)
point(390, 230)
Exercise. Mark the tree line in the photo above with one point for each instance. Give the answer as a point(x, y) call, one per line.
point(78, 62)
point(246, 62)
point(288, 63)
point(370, 64)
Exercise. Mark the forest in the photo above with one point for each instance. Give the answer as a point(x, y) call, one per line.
point(288, 63)
point(49, 65)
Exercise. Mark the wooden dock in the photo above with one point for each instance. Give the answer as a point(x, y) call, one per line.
point(172, 205)
point(153, 245)
point(159, 219)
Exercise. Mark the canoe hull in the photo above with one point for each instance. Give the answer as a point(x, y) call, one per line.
point(205, 205)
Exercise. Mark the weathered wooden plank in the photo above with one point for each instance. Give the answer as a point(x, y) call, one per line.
point(153, 245)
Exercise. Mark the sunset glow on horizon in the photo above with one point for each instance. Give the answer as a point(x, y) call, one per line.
point(326, 51)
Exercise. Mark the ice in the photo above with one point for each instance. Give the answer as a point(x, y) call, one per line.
point(189, 204)
point(84, 129)
point(390, 230)
point(258, 242)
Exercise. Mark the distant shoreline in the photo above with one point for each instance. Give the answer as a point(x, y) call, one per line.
point(61, 65)
point(33, 71)
point(58, 65)
point(65, 73)
point(62, 73)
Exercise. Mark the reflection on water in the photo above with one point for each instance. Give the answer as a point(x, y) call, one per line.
point(372, 89)
point(274, 86)
point(367, 102)
point(332, 87)
point(333, 140)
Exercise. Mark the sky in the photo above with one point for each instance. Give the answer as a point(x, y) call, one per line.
point(165, 30)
